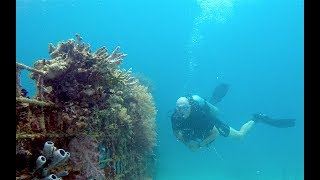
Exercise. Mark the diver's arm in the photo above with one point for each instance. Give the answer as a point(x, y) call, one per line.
point(213, 110)
point(179, 136)
point(177, 129)
point(214, 133)
point(192, 145)
point(179, 133)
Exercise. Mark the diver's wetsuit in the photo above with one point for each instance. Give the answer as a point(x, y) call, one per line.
point(199, 123)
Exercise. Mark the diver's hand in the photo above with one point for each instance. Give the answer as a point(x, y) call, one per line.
point(179, 135)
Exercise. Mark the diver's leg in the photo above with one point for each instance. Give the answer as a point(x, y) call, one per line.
point(243, 130)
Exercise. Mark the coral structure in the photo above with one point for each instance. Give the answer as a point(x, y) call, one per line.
point(85, 157)
point(87, 104)
point(48, 165)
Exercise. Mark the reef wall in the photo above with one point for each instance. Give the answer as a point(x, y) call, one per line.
point(88, 108)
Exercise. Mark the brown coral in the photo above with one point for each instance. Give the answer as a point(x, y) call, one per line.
point(84, 99)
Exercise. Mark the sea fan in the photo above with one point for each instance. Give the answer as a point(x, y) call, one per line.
point(85, 156)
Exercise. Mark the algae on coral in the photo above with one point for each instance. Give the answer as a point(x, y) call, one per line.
point(94, 104)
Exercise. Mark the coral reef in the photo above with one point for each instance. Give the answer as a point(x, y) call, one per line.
point(48, 165)
point(85, 103)
point(85, 158)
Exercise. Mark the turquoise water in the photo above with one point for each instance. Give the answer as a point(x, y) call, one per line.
point(189, 46)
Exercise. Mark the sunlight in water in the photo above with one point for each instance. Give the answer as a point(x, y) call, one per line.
point(212, 11)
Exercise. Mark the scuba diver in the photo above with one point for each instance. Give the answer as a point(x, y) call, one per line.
point(195, 121)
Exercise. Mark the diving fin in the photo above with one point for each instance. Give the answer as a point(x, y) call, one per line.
point(282, 123)
point(219, 92)
point(279, 123)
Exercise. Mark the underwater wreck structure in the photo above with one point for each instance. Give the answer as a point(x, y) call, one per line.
point(89, 119)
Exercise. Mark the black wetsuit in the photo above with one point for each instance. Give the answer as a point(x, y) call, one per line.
point(199, 123)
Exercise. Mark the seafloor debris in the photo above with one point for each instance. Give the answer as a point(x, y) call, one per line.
point(85, 103)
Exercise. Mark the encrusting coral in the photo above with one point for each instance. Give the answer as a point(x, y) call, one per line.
point(85, 103)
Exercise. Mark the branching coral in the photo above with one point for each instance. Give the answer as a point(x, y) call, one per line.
point(85, 99)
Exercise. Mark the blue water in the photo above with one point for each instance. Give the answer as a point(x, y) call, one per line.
point(189, 46)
